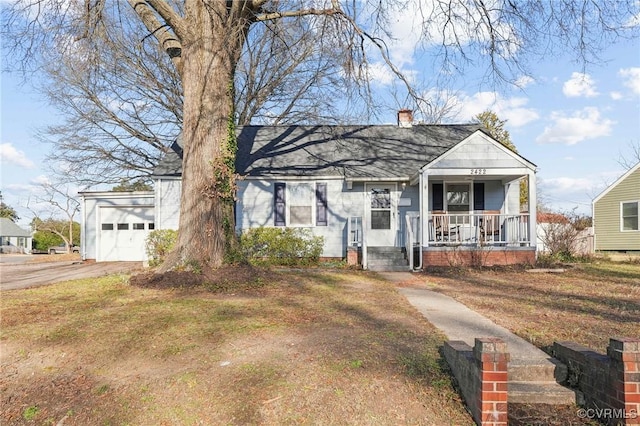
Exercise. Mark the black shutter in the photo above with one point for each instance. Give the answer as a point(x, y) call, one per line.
point(478, 195)
point(437, 189)
point(279, 205)
point(321, 204)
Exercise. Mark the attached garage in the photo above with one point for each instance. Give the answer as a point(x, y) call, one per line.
point(115, 225)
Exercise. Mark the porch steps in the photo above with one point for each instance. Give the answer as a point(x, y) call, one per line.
point(388, 259)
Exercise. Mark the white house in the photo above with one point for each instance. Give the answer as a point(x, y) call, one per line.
point(14, 239)
point(397, 196)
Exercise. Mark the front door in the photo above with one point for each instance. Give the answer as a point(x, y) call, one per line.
point(382, 215)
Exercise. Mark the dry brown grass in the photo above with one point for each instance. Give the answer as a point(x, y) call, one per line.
point(301, 347)
point(587, 304)
point(46, 258)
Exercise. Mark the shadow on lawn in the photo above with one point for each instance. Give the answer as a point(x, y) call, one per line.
point(614, 308)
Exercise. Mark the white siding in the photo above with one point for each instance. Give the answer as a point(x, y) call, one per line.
point(493, 195)
point(512, 206)
point(167, 192)
point(255, 208)
point(478, 152)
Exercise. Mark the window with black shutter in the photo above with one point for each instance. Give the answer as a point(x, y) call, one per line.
point(279, 204)
point(321, 204)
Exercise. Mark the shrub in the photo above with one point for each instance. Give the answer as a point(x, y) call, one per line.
point(281, 246)
point(159, 243)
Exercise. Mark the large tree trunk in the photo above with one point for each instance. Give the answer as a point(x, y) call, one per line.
point(209, 57)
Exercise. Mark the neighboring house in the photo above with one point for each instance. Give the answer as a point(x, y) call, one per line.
point(436, 194)
point(616, 214)
point(14, 239)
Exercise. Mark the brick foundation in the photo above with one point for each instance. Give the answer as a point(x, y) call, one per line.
point(481, 374)
point(470, 256)
point(610, 384)
point(354, 256)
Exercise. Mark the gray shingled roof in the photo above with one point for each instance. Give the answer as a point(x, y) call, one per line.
point(365, 151)
point(10, 229)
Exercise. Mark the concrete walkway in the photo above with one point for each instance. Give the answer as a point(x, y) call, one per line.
point(528, 363)
point(455, 320)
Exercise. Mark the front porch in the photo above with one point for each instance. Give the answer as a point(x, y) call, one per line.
point(466, 206)
point(475, 239)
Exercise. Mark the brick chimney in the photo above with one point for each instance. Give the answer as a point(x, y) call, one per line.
point(405, 118)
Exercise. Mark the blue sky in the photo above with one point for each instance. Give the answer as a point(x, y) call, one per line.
point(574, 123)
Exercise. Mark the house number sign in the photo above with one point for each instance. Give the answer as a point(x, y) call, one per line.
point(478, 171)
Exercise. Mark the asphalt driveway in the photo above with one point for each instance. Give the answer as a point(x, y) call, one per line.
point(17, 276)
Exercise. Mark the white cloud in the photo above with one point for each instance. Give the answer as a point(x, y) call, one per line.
point(9, 154)
point(567, 185)
point(616, 96)
point(41, 180)
point(577, 127)
point(632, 78)
point(580, 85)
point(524, 81)
point(513, 110)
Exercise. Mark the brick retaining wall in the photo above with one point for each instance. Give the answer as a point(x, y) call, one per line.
point(610, 384)
point(481, 373)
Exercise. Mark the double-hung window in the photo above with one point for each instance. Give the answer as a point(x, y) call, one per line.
point(629, 215)
point(300, 204)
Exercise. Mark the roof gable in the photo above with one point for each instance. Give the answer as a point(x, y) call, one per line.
point(478, 150)
point(352, 152)
point(10, 229)
point(622, 178)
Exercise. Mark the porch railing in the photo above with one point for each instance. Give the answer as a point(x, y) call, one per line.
point(479, 229)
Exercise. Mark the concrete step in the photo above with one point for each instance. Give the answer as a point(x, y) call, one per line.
point(394, 258)
point(540, 393)
point(376, 249)
point(537, 370)
point(389, 268)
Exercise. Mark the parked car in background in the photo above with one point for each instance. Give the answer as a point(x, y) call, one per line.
point(62, 249)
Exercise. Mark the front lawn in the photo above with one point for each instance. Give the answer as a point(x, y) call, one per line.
point(291, 347)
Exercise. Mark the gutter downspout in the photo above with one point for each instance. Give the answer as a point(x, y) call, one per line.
point(421, 222)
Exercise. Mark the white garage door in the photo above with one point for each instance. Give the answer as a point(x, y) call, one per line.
point(122, 233)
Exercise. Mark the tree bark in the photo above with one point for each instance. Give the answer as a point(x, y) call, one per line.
point(210, 51)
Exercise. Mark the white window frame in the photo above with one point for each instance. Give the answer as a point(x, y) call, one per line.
point(446, 200)
point(622, 203)
point(288, 204)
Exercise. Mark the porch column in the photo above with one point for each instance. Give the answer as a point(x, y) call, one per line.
point(533, 209)
point(424, 209)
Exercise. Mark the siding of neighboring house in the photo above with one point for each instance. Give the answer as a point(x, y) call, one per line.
point(607, 215)
point(14, 239)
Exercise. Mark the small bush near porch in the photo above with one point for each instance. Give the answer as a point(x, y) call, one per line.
point(281, 246)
